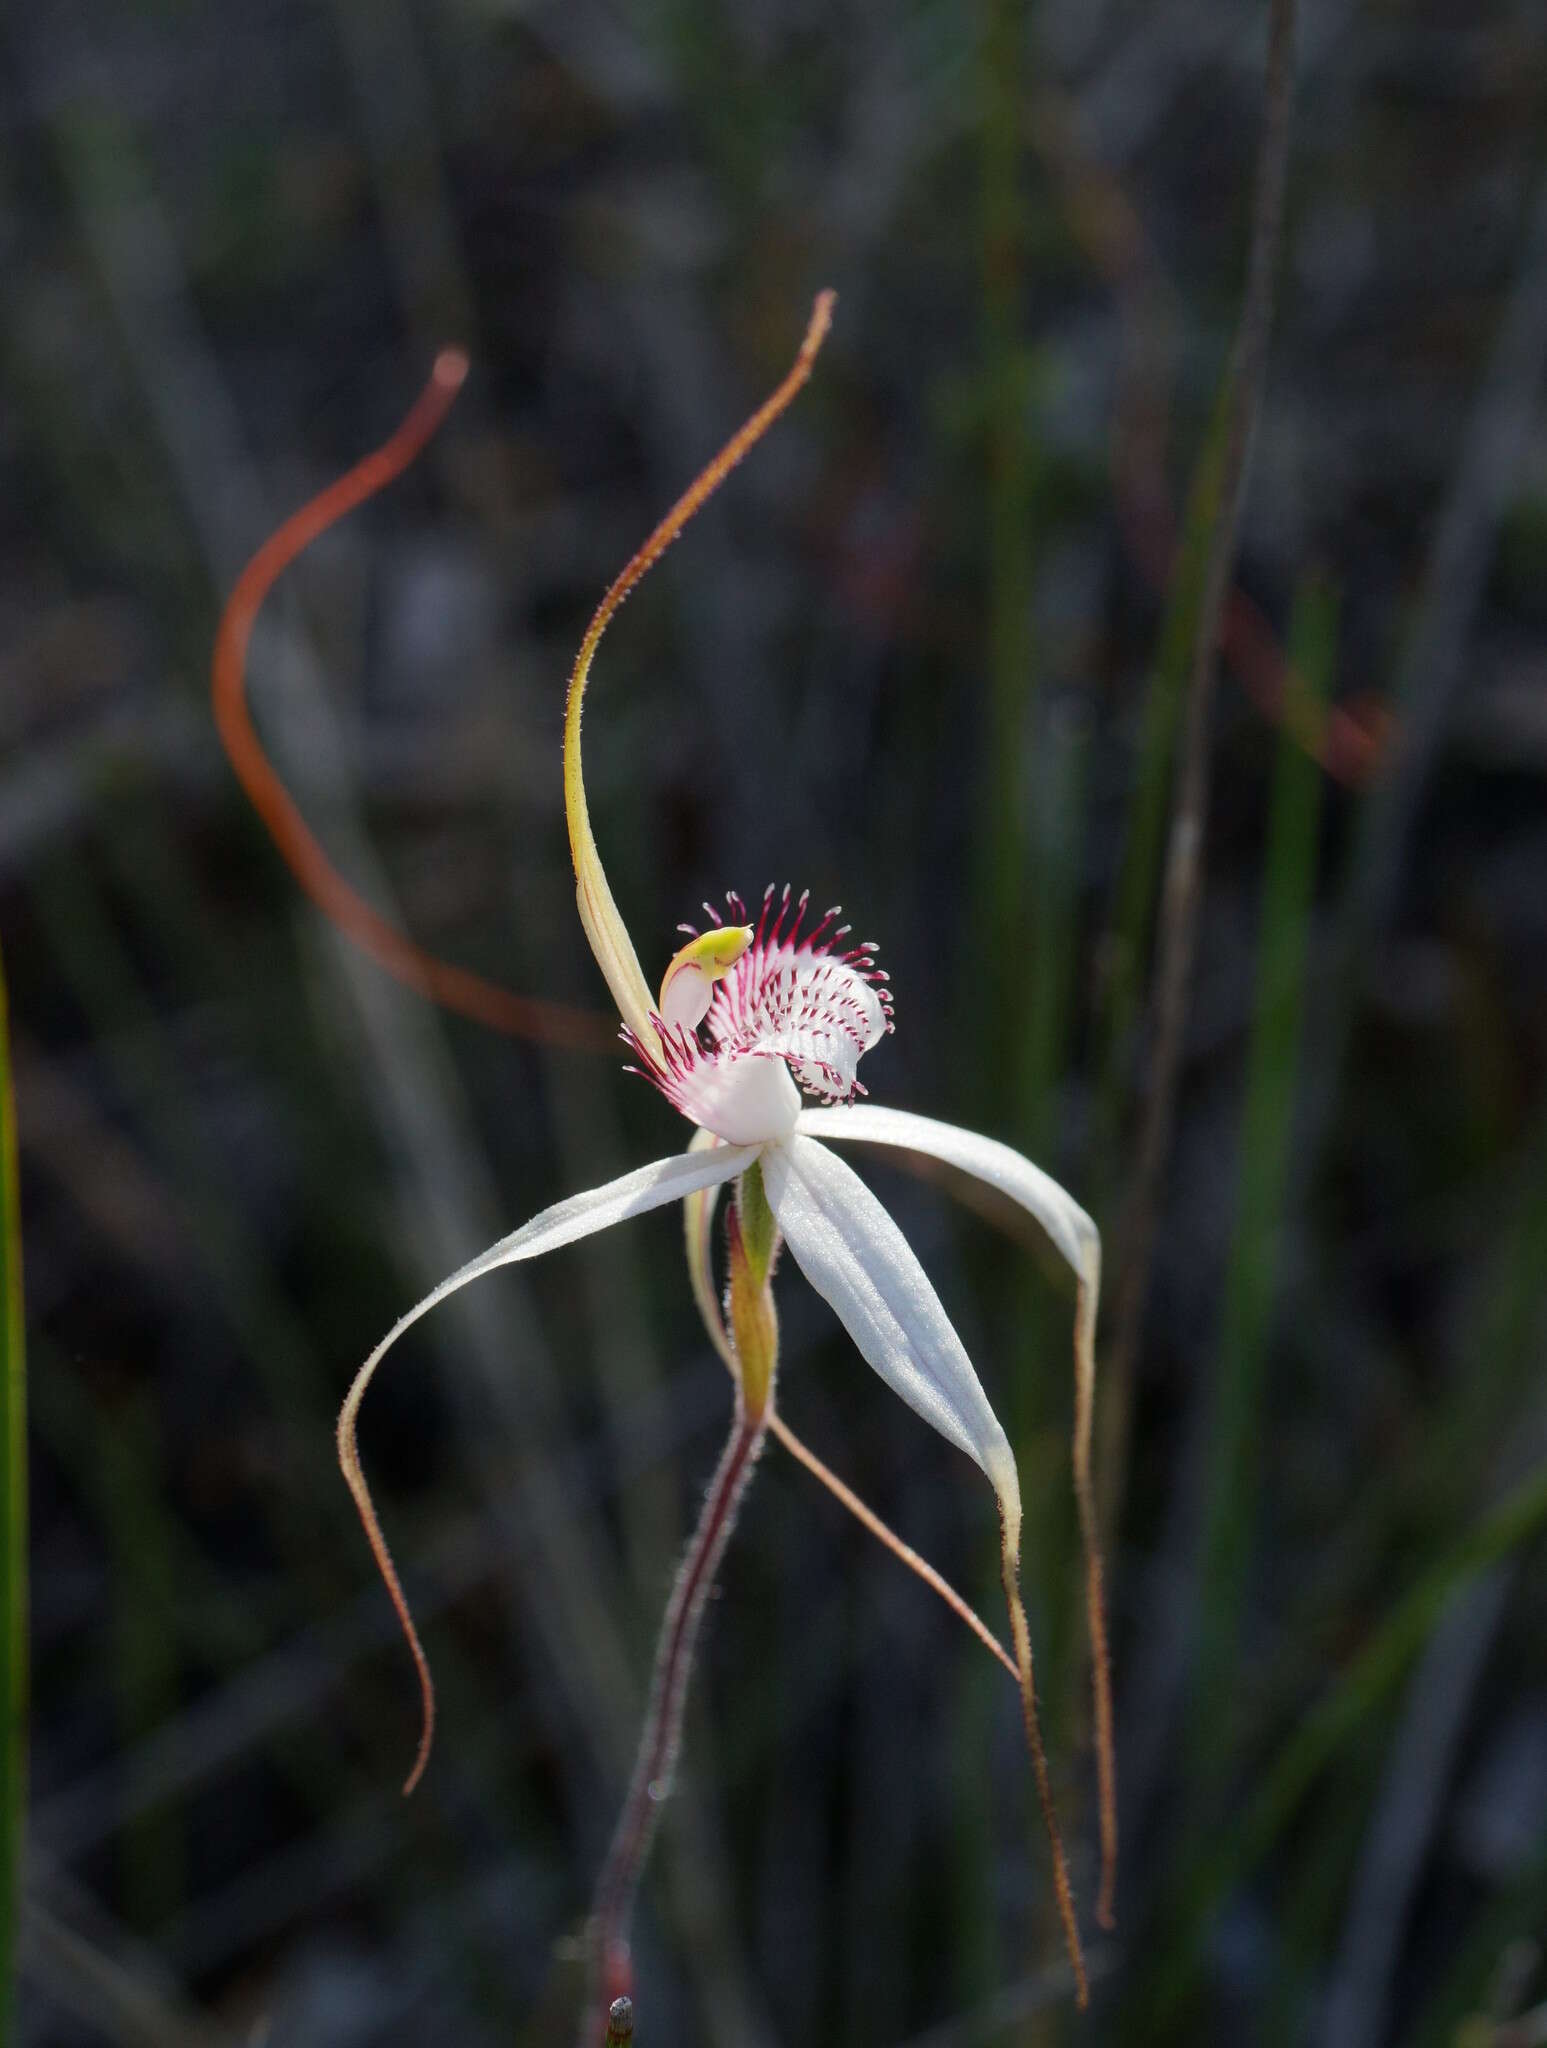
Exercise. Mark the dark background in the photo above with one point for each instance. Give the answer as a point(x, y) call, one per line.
point(920, 656)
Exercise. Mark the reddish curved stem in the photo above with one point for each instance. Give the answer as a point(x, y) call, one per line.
point(455, 987)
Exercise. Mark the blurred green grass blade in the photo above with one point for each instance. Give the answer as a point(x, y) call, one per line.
point(1315, 1898)
point(145, 1655)
point(13, 1535)
point(998, 935)
point(1230, 1487)
point(1322, 1735)
point(1048, 982)
point(1013, 475)
point(1139, 878)
point(1464, 1996)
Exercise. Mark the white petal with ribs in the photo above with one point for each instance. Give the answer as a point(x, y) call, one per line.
point(1076, 1237)
point(858, 1260)
point(1066, 1223)
point(1072, 1232)
point(651, 1187)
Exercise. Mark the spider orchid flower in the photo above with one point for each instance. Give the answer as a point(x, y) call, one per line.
point(755, 1036)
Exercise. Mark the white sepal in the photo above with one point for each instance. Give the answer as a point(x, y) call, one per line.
point(858, 1260)
point(1076, 1237)
point(669, 1180)
point(651, 1187)
point(1072, 1232)
point(1066, 1223)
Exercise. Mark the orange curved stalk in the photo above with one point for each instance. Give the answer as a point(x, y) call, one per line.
point(604, 927)
point(455, 988)
point(354, 1478)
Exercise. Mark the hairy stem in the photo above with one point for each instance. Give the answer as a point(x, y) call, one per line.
point(655, 1763)
point(604, 927)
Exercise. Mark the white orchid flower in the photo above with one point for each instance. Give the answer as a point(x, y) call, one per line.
point(755, 1036)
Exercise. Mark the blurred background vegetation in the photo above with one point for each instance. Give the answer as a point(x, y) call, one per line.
point(925, 655)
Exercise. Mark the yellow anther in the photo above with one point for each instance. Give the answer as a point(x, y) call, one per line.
point(689, 980)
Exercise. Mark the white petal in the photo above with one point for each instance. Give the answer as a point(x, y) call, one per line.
point(651, 1187)
point(1065, 1222)
point(1076, 1237)
point(669, 1180)
point(855, 1256)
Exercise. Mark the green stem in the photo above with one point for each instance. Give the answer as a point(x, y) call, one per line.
point(13, 1537)
point(1321, 1735)
point(1231, 1488)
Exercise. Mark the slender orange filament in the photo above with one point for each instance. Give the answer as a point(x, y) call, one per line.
point(604, 927)
point(903, 1551)
point(1021, 1636)
point(1095, 1602)
point(455, 988)
point(702, 488)
point(354, 1476)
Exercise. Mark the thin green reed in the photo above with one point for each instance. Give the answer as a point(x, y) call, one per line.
point(1010, 662)
point(1233, 1464)
point(1416, 1499)
point(13, 1537)
point(1138, 885)
point(1050, 986)
point(1501, 1348)
point(1315, 1896)
point(1464, 2011)
point(1487, 1401)
point(1026, 856)
point(1128, 939)
point(998, 937)
point(1023, 973)
point(88, 947)
point(146, 1659)
point(1054, 970)
point(1321, 1738)
point(221, 1631)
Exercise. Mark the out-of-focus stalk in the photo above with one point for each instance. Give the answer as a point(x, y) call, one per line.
point(13, 1537)
point(753, 1244)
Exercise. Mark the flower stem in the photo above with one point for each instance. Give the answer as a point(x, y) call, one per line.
point(1020, 1635)
point(612, 1974)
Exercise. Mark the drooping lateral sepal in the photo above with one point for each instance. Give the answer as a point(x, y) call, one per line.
point(857, 1259)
